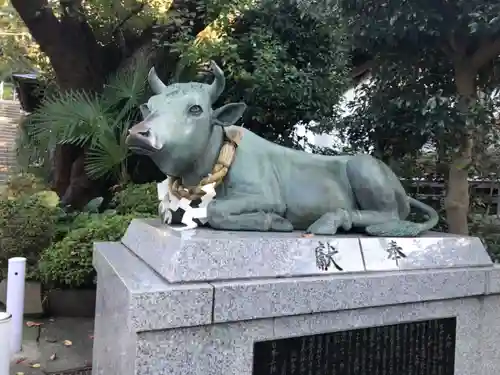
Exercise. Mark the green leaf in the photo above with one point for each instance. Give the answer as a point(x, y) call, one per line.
point(106, 156)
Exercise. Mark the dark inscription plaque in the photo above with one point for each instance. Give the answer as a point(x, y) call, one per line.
point(416, 348)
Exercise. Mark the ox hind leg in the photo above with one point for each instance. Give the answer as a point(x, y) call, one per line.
point(247, 213)
point(375, 197)
point(381, 198)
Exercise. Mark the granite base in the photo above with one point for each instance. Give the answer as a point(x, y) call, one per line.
point(167, 314)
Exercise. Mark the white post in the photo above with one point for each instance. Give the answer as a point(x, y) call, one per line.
point(5, 323)
point(15, 301)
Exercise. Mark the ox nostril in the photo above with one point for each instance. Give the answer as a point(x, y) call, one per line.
point(145, 133)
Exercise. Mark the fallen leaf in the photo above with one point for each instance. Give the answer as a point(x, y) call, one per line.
point(67, 343)
point(91, 337)
point(33, 324)
point(51, 319)
point(35, 365)
point(53, 357)
point(22, 359)
point(19, 373)
point(307, 235)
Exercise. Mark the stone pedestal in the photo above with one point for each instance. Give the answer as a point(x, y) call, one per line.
point(197, 302)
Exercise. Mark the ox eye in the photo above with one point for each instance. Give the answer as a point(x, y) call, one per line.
point(195, 109)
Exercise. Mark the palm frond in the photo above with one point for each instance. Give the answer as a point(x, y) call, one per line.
point(106, 155)
point(98, 122)
point(127, 88)
point(72, 117)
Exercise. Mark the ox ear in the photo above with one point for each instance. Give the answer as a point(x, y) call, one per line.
point(228, 114)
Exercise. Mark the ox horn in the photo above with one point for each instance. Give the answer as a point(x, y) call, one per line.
point(155, 82)
point(219, 83)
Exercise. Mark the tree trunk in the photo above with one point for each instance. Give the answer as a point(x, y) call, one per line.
point(68, 42)
point(76, 58)
point(457, 198)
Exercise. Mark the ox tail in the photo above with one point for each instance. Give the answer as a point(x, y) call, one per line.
point(403, 228)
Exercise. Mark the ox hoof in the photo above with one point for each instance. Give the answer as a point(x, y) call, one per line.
point(321, 231)
point(323, 228)
point(279, 224)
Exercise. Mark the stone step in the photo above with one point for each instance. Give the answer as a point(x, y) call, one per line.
point(15, 111)
point(7, 141)
point(7, 169)
point(10, 123)
point(12, 115)
point(7, 159)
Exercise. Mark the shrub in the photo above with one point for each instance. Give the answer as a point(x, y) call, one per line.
point(22, 184)
point(141, 200)
point(27, 225)
point(68, 262)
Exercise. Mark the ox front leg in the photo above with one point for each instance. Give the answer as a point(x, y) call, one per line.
point(247, 213)
point(329, 223)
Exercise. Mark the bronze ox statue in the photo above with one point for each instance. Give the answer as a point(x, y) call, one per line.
point(267, 187)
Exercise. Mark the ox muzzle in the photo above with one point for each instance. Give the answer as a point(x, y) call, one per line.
point(141, 140)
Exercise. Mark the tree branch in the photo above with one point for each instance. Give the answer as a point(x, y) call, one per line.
point(187, 17)
point(362, 69)
point(486, 53)
point(456, 47)
point(132, 13)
